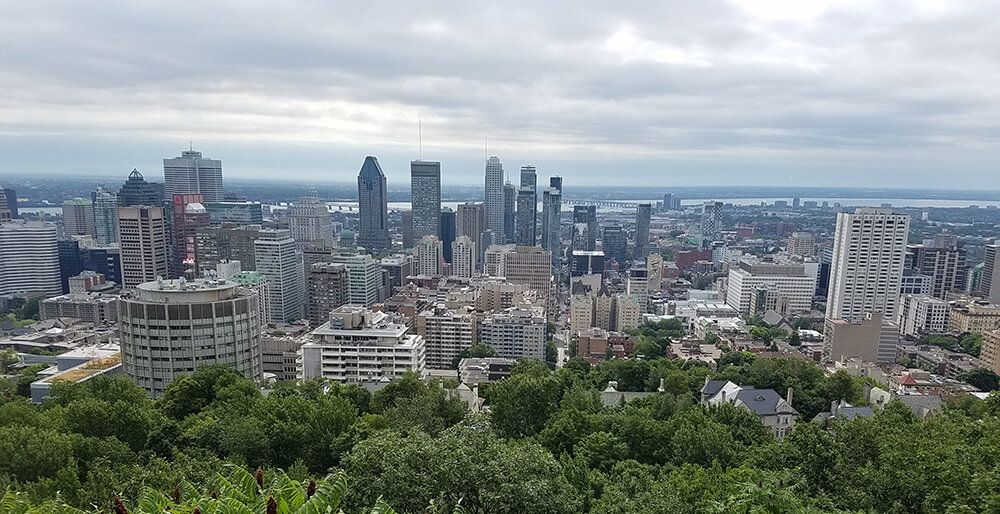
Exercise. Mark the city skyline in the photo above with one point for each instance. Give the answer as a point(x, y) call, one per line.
point(716, 92)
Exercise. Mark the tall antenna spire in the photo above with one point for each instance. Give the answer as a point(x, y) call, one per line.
point(191, 145)
point(420, 140)
point(486, 147)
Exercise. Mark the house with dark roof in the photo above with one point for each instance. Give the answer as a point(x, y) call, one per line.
point(775, 412)
point(842, 411)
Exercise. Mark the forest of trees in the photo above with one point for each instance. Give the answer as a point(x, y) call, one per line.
point(548, 445)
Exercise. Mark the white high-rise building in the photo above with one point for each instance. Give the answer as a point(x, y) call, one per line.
point(637, 286)
point(29, 258)
point(795, 281)
point(989, 284)
point(516, 333)
point(867, 269)
point(922, 314)
point(494, 196)
point(463, 257)
point(358, 345)
point(310, 223)
point(274, 251)
point(428, 255)
point(191, 173)
point(364, 278)
point(495, 258)
point(204, 323)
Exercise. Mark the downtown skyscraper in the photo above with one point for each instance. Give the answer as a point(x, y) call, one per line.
point(193, 174)
point(277, 259)
point(551, 217)
point(509, 212)
point(527, 208)
point(143, 239)
point(711, 223)
point(373, 231)
point(494, 195)
point(585, 228)
point(136, 191)
point(105, 204)
point(642, 214)
point(868, 253)
point(425, 197)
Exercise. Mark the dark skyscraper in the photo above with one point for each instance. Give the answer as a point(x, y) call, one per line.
point(585, 227)
point(642, 214)
point(10, 200)
point(373, 231)
point(70, 264)
point(551, 217)
point(527, 208)
point(614, 244)
point(105, 260)
point(509, 203)
point(425, 196)
point(447, 230)
point(137, 191)
point(406, 230)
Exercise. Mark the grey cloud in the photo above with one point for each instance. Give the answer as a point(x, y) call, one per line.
point(579, 85)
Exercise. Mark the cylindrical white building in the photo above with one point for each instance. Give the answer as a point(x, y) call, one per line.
point(171, 328)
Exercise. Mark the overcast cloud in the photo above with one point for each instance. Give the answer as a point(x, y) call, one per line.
point(690, 93)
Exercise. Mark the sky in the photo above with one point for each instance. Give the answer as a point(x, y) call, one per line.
point(761, 92)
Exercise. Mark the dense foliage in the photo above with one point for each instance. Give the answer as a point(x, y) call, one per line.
point(549, 445)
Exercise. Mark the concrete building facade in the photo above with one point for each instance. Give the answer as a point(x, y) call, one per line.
point(170, 328)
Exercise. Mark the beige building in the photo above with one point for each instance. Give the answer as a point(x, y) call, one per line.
point(990, 353)
point(428, 256)
point(144, 245)
point(802, 244)
point(93, 308)
point(871, 338)
point(498, 294)
point(604, 311)
point(532, 266)
point(446, 333)
point(975, 318)
point(654, 266)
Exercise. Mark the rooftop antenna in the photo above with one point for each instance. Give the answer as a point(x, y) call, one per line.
point(486, 147)
point(191, 145)
point(420, 140)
